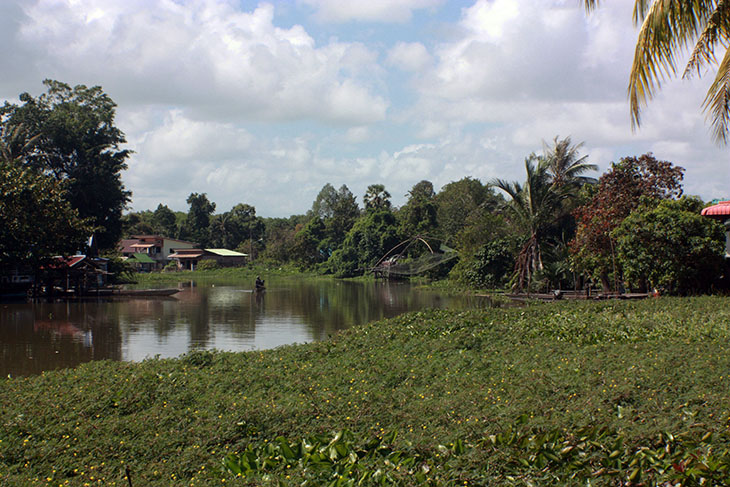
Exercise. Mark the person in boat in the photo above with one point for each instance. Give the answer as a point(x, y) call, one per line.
point(259, 283)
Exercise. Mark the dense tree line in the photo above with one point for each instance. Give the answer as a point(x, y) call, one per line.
point(61, 159)
point(559, 228)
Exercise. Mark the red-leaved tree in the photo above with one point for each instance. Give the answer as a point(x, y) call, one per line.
point(618, 193)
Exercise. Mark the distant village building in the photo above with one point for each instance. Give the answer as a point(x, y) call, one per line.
point(151, 252)
point(721, 212)
point(77, 274)
point(188, 259)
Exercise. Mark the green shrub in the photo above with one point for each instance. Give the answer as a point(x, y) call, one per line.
point(207, 265)
point(671, 246)
point(492, 265)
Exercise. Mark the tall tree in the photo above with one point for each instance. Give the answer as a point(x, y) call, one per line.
point(337, 210)
point(565, 165)
point(238, 228)
point(137, 223)
point(418, 215)
point(461, 203)
point(533, 208)
point(280, 235)
point(344, 211)
point(667, 28)
point(325, 202)
point(164, 221)
point(669, 245)
point(372, 236)
point(75, 140)
point(307, 246)
point(36, 220)
point(197, 223)
point(618, 193)
point(376, 198)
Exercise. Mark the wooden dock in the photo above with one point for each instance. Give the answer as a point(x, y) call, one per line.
point(560, 295)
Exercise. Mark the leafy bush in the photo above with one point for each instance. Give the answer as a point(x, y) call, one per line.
point(119, 270)
point(669, 245)
point(207, 265)
point(492, 264)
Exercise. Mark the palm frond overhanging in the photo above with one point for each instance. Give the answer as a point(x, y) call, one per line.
point(667, 28)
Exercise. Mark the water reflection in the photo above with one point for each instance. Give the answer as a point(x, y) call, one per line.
point(37, 337)
point(204, 315)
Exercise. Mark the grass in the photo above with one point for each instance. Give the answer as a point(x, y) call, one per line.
point(610, 393)
point(233, 273)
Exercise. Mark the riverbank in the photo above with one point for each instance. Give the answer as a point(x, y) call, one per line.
point(232, 273)
point(554, 393)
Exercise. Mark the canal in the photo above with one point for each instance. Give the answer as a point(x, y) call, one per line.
point(222, 315)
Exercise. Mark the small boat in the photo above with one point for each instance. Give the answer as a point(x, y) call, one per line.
point(122, 293)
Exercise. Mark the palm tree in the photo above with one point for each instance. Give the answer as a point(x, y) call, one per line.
point(14, 143)
point(667, 27)
point(534, 208)
point(376, 198)
point(565, 165)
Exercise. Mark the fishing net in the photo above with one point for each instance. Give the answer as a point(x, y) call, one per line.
point(402, 267)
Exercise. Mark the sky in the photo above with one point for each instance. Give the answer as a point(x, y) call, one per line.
point(265, 102)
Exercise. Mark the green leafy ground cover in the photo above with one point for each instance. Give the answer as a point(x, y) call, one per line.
point(233, 273)
point(608, 393)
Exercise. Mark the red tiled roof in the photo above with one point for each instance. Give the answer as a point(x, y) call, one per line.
point(126, 245)
point(64, 262)
point(722, 209)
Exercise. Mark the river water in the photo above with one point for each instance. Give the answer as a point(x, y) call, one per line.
point(204, 315)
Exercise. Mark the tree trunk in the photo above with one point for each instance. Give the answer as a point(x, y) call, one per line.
point(605, 282)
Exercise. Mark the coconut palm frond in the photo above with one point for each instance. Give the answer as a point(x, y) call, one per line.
point(591, 5)
point(668, 27)
point(717, 101)
point(640, 9)
point(564, 163)
point(15, 143)
point(715, 33)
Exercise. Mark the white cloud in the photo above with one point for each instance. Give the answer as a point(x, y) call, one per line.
point(356, 135)
point(489, 20)
point(221, 61)
point(368, 10)
point(182, 140)
point(409, 56)
point(219, 100)
point(529, 72)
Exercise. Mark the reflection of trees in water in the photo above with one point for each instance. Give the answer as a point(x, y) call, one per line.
point(189, 308)
point(157, 313)
point(327, 306)
point(44, 336)
point(199, 320)
point(323, 307)
point(235, 309)
point(36, 337)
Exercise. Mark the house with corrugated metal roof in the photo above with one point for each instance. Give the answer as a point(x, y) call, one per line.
point(77, 274)
point(141, 262)
point(155, 247)
point(188, 259)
